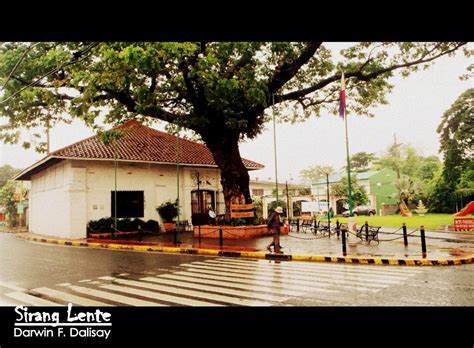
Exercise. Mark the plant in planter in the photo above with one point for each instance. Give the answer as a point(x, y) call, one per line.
point(168, 211)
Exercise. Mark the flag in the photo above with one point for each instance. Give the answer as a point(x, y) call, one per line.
point(342, 99)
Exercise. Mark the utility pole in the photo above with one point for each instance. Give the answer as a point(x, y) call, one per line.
point(396, 153)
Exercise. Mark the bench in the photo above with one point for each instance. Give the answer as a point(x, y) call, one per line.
point(294, 223)
point(369, 233)
point(306, 224)
point(323, 227)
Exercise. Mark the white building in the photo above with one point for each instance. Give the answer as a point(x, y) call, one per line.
point(76, 184)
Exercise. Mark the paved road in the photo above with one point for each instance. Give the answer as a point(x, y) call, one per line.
point(41, 274)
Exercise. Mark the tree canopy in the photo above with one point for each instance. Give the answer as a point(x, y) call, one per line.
point(456, 131)
point(220, 90)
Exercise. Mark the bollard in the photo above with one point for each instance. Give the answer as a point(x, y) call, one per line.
point(221, 239)
point(199, 232)
point(344, 250)
point(297, 225)
point(423, 241)
point(337, 228)
point(366, 231)
point(140, 233)
point(405, 239)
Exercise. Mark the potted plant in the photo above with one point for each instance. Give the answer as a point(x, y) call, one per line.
point(168, 211)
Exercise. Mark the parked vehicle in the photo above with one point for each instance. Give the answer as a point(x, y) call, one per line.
point(360, 210)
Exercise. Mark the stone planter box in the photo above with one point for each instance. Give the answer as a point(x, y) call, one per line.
point(234, 232)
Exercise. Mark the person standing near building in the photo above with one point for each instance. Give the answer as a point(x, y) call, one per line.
point(275, 221)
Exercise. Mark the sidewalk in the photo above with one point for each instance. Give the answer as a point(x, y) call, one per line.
point(443, 248)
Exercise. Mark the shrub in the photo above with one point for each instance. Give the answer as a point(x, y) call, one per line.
point(238, 222)
point(101, 225)
point(152, 226)
point(168, 211)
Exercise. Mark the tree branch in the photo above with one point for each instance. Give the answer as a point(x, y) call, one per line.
point(360, 75)
point(286, 71)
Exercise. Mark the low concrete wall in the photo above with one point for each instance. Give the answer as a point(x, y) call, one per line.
point(234, 232)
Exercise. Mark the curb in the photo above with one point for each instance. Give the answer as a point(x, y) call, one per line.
point(257, 254)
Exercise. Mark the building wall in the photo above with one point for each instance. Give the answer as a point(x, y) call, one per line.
point(382, 186)
point(66, 196)
point(49, 201)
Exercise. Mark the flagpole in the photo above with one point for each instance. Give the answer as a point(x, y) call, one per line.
point(348, 167)
point(342, 112)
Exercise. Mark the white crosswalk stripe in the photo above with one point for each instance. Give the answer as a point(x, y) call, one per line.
point(179, 291)
point(30, 299)
point(185, 284)
point(220, 282)
point(349, 278)
point(293, 281)
point(11, 286)
point(114, 297)
point(67, 297)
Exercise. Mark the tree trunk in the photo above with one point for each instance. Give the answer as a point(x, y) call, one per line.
point(234, 176)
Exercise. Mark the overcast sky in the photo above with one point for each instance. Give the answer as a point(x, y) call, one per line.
point(413, 114)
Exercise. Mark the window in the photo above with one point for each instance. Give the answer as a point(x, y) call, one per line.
point(129, 204)
point(257, 192)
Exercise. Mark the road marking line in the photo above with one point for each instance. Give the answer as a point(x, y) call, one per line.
point(198, 294)
point(11, 286)
point(254, 281)
point(217, 289)
point(114, 297)
point(226, 283)
point(329, 267)
point(310, 275)
point(85, 280)
point(64, 284)
point(287, 278)
point(305, 266)
point(31, 300)
point(159, 296)
point(76, 300)
point(106, 278)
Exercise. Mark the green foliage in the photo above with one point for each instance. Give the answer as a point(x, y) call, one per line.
point(6, 173)
point(168, 211)
point(361, 161)
point(315, 173)
point(101, 226)
point(457, 145)
point(359, 196)
point(220, 90)
point(238, 222)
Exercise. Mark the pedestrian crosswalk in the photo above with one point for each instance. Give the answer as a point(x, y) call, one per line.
point(217, 282)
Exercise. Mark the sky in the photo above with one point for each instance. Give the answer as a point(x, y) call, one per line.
point(413, 113)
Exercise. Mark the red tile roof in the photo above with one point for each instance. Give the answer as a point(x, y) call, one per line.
point(140, 143)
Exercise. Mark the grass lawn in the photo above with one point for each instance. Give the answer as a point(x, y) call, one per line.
point(430, 221)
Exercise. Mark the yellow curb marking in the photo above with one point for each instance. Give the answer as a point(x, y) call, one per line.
point(257, 255)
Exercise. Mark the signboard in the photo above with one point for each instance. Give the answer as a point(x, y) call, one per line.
point(314, 206)
point(464, 224)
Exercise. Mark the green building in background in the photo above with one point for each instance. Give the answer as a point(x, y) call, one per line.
point(379, 186)
point(382, 187)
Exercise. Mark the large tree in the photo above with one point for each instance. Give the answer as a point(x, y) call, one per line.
point(220, 90)
point(456, 132)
